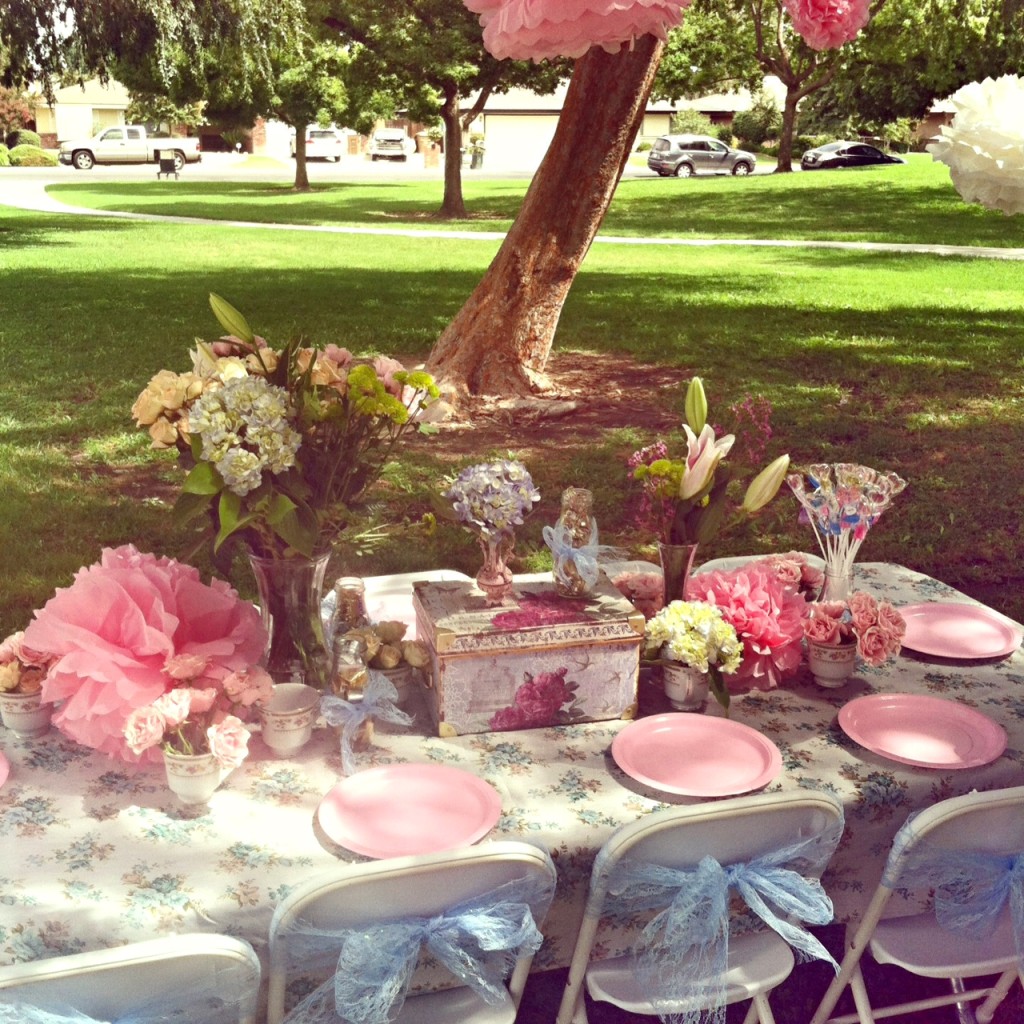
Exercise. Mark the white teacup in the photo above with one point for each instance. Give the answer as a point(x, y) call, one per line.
point(288, 717)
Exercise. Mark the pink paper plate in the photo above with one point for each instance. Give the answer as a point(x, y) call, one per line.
point(694, 755)
point(5, 768)
point(949, 630)
point(402, 809)
point(928, 732)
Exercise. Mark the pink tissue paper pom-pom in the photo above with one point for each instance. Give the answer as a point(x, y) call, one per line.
point(540, 29)
point(828, 24)
point(767, 616)
point(113, 631)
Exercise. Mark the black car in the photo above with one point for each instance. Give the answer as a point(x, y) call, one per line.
point(845, 154)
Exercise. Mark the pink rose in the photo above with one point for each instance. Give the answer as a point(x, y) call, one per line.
point(822, 629)
point(339, 356)
point(111, 633)
point(827, 24)
point(863, 611)
point(10, 649)
point(891, 622)
point(385, 367)
point(203, 700)
point(249, 686)
point(185, 666)
point(174, 707)
point(229, 741)
point(874, 646)
point(143, 729)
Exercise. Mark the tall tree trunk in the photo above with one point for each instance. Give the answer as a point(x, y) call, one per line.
point(301, 177)
point(789, 115)
point(499, 342)
point(453, 206)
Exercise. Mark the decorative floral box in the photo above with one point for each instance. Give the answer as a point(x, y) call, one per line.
point(539, 660)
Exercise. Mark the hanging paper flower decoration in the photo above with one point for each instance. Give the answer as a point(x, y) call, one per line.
point(984, 145)
point(827, 24)
point(544, 29)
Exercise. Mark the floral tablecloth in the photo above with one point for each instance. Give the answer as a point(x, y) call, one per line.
point(96, 852)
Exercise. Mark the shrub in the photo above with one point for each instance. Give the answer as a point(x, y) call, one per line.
point(758, 124)
point(691, 122)
point(5, 159)
point(724, 133)
point(31, 156)
point(643, 147)
point(22, 137)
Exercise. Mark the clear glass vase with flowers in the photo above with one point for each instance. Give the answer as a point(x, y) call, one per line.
point(691, 499)
point(839, 632)
point(491, 499)
point(694, 635)
point(282, 444)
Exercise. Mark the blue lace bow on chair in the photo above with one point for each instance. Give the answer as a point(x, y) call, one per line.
point(682, 953)
point(478, 941)
point(971, 888)
point(378, 702)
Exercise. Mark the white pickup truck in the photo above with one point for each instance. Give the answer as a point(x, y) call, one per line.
point(128, 144)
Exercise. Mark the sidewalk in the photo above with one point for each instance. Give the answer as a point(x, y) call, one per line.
point(31, 194)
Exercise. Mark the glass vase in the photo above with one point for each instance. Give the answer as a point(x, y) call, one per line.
point(290, 595)
point(495, 577)
point(676, 566)
point(837, 586)
point(574, 544)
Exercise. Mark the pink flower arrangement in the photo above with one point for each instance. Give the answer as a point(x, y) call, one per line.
point(794, 570)
point(539, 701)
point(767, 614)
point(876, 627)
point(646, 590)
point(827, 24)
point(194, 719)
point(130, 629)
point(22, 670)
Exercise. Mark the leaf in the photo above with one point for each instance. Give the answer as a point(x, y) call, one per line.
point(297, 527)
point(229, 513)
point(189, 506)
point(204, 479)
point(230, 319)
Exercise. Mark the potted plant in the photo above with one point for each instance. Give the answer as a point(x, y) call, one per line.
point(694, 645)
point(838, 632)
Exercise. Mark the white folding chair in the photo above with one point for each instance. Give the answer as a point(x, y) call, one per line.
point(961, 846)
point(688, 842)
point(346, 924)
point(209, 979)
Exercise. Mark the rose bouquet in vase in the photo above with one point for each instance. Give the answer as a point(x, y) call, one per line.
point(838, 632)
point(282, 445)
point(691, 498)
point(22, 672)
point(492, 499)
point(694, 636)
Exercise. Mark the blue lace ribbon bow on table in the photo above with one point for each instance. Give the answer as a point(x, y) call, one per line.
point(478, 941)
point(682, 953)
point(378, 702)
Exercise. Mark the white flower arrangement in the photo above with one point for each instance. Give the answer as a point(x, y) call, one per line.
point(694, 634)
point(984, 145)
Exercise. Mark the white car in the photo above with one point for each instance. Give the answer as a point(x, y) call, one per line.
point(391, 144)
point(323, 144)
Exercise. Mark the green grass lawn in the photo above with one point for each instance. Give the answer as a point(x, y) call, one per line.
point(905, 362)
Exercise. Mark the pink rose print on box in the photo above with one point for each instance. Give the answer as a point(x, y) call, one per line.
point(544, 699)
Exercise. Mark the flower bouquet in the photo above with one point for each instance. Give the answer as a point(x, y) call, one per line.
point(842, 502)
point(22, 672)
point(767, 614)
point(696, 635)
point(690, 498)
point(193, 719)
point(492, 499)
point(128, 630)
point(875, 628)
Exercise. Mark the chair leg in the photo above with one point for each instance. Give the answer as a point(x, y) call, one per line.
point(860, 996)
point(761, 1009)
point(1000, 990)
point(964, 1009)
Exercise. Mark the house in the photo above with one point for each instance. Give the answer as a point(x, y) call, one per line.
point(78, 110)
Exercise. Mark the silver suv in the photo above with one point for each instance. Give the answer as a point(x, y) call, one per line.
point(684, 155)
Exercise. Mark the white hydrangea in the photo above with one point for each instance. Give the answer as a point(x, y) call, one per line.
point(245, 431)
point(694, 634)
point(984, 145)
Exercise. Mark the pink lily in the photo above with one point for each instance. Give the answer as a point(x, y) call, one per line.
point(703, 454)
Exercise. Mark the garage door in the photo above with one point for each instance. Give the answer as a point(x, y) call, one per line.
point(517, 141)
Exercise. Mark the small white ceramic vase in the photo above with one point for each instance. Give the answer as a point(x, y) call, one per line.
point(685, 687)
point(830, 664)
point(288, 718)
point(404, 678)
point(193, 778)
point(25, 714)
